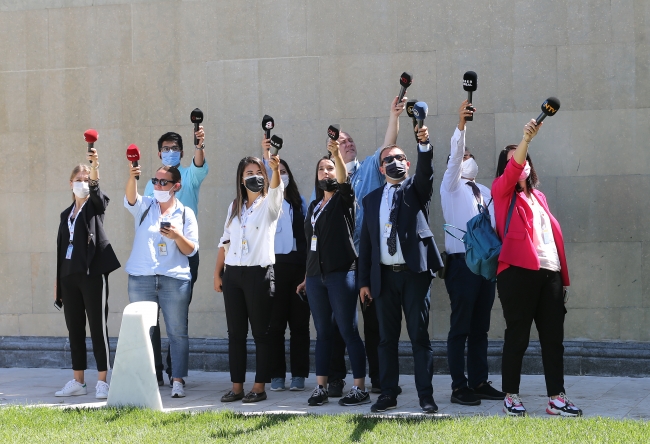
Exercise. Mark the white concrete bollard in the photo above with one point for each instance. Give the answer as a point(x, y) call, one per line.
point(134, 373)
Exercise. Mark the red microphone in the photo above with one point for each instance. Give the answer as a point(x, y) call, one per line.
point(133, 154)
point(91, 137)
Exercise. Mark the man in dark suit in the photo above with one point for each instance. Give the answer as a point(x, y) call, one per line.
point(397, 260)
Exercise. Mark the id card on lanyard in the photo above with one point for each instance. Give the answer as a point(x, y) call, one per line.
point(314, 217)
point(71, 225)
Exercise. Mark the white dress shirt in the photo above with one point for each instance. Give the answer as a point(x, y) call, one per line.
point(458, 202)
point(256, 225)
point(145, 258)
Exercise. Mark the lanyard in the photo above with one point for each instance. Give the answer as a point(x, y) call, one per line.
point(387, 188)
point(72, 222)
point(316, 214)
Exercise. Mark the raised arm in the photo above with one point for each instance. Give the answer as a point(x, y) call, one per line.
point(339, 164)
point(131, 184)
point(393, 121)
point(451, 179)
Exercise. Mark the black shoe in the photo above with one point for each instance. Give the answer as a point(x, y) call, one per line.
point(161, 383)
point(171, 382)
point(486, 391)
point(254, 397)
point(318, 397)
point(232, 396)
point(384, 402)
point(335, 388)
point(377, 389)
point(356, 396)
point(428, 405)
point(464, 396)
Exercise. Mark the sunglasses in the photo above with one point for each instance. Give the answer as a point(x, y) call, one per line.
point(162, 182)
point(389, 159)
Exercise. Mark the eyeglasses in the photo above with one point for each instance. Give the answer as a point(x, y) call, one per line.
point(167, 149)
point(162, 182)
point(389, 159)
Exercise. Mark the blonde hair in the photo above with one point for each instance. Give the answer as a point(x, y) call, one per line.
point(76, 170)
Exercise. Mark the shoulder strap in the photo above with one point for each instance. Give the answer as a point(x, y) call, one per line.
point(444, 227)
point(146, 212)
point(512, 207)
point(183, 217)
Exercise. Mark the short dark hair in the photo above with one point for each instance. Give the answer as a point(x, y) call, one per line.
point(389, 147)
point(170, 137)
point(532, 181)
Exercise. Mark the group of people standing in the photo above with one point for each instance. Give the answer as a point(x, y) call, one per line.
point(364, 238)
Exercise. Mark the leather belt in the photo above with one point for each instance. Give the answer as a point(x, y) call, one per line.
point(395, 267)
point(456, 256)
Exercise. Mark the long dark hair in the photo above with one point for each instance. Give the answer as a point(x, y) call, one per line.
point(241, 189)
point(291, 193)
point(320, 194)
point(532, 181)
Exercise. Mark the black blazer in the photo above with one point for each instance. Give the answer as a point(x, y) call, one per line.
point(101, 258)
point(416, 239)
point(335, 231)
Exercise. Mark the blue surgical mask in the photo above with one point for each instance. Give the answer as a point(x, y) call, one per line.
point(171, 158)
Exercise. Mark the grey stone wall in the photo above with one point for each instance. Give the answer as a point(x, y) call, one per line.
point(135, 69)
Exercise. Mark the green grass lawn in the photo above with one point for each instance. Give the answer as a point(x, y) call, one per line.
point(25, 424)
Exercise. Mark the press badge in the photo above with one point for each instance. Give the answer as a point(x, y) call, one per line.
point(546, 235)
point(68, 254)
point(244, 246)
point(314, 241)
point(387, 229)
point(162, 249)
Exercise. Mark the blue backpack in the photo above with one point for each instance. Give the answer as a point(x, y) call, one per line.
point(482, 244)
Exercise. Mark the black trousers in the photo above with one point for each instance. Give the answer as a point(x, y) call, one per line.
point(155, 331)
point(527, 296)
point(248, 297)
point(84, 295)
point(289, 309)
point(338, 369)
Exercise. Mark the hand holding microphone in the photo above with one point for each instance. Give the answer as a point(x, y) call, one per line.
point(420, 111)
point(530, 130)
point(470, 83)
point(275, 144)
point(133, 154)
point(196, 116)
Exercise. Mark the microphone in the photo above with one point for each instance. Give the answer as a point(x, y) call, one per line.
point(133, 154)
point(549, 108)
point(276, 144)
point(267, 125)
point(196, 117)
point(420, 111)
point(333, 132)
point(91, 137)
point(470, 82)
point(405, 80)
point(409, 111)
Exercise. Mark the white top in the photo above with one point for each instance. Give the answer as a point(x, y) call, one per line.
point(256, 226)
point(543, 237)
point(145, 258)
point(458, 202)
point(384, 214)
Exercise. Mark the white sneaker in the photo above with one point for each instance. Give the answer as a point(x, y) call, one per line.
point(101, 390)
point(177, 390)
point(72, 388)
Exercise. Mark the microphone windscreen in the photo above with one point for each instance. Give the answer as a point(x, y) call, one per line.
point(91, 135)
point(420, 110)
point(333, 132)
point(406, 79)
point(409, 107)
point(470, 81)
point(551, 106)
point(276, 142)
point(196, 116)
point(133, 153)
point(267, 122)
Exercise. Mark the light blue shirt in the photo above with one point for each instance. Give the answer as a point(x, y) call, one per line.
point(191, 179)
point(285, 241)
point(145, 258)
point(365, 178)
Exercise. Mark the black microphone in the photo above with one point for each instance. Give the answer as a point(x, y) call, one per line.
point(196, 117)
point(276, 144)
point(470, 82)
point(409, 111)
point(405, 81)
point(549, 108)
point(333, 132)
point(267, 125)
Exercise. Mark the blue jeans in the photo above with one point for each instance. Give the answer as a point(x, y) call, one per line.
point(333, 297)
point(173, 297)
point(471, 297)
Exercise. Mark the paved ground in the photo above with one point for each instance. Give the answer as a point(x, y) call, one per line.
point(614, 397)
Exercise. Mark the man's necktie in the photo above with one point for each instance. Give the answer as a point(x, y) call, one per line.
point(392, 218)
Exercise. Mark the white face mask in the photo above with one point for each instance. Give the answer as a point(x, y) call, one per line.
point(469, 169)
point(285, 180)
point(80, 189)
point(352, 166)
point(162, 195)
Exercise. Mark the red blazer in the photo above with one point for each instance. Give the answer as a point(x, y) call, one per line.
point(518, 248)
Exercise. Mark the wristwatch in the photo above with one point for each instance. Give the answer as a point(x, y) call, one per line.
point(202, 147)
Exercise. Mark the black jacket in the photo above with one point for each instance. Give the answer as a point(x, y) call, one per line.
point(101, 258)
point(416, 239)
point(335, 232)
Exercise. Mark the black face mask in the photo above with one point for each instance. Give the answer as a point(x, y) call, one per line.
point(396, 170)
point(254, 183)
point(328, 185)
